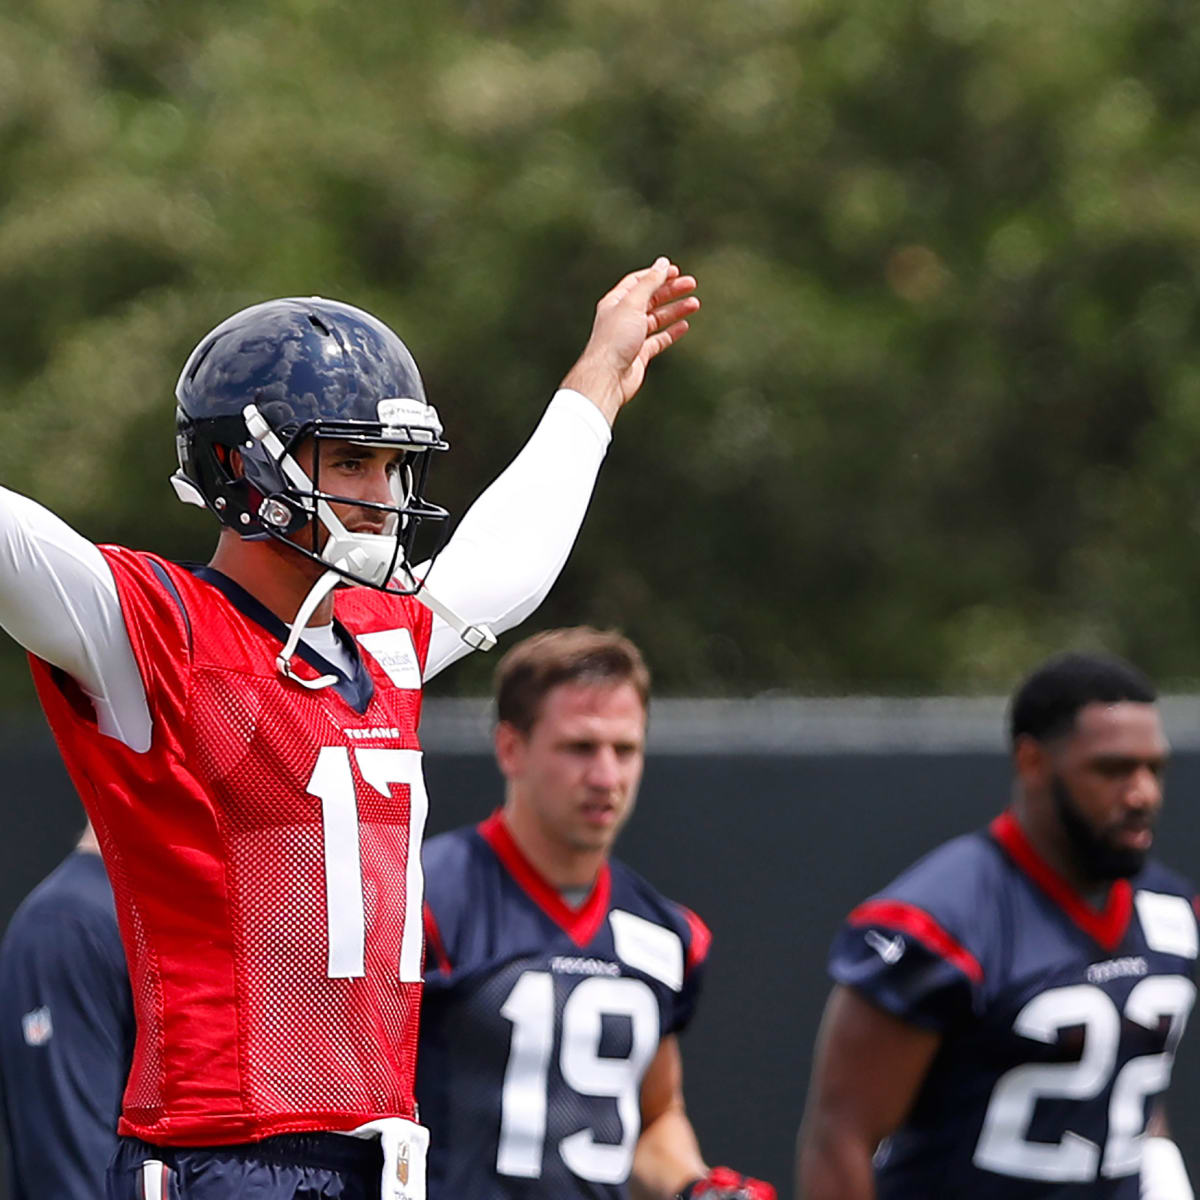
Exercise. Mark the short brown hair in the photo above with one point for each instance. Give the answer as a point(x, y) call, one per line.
point(579, 654)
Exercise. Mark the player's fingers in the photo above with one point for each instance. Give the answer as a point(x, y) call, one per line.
point(644, 283)
point(625, 285)
point(676, 285)
point(668, 314)
point(659, 342)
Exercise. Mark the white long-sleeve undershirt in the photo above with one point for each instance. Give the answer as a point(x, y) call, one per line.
point(59, 600)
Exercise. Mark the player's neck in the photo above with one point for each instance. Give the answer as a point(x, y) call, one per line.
point(561, 866)
point(1052, 844)
point(273, 575)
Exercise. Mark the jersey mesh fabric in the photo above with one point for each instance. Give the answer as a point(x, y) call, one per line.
point(300, 1054)
point(242, 1031)
point(144, 1089)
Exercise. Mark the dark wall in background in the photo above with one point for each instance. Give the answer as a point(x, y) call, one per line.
point(771, 850)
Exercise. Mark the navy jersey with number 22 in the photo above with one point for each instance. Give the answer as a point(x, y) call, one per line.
point(540, 1020)
point(1059, 1021)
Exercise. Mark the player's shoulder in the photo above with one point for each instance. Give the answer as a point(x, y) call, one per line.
point(70, 909)
point(634, 894)
point(922, 946)
point(129, 558)
point(952, 899)
point(456, 849)
point(371, 609)
point(951, 877)
point(1166, 906)
point(394, 629)
point(139, 570)
point(145, 565)
point(469, 897)
point(158, 588)
point(454, 864)
point(77, 886)
point(1156, 876)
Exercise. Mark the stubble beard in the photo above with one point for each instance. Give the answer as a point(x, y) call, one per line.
point(1095, 856)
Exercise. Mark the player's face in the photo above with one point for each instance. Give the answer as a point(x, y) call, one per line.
point(1108, 788)
point(367, 473)
point(577, 771)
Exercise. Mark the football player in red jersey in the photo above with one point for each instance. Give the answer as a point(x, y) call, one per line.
point(557, 979)
point(243, 734)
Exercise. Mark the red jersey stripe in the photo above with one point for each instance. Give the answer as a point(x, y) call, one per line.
point(433, 939)
point(919, 925)
point(1105, 926)
point(579, 924)
point(701, 939)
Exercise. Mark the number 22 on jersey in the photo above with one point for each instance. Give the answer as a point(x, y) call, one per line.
point(1004, 1144)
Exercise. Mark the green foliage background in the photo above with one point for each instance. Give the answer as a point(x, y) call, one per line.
point(937, 418)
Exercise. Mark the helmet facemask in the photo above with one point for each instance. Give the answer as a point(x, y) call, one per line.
point(283, 498)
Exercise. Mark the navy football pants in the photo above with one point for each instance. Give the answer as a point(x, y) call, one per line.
point(294, 1166)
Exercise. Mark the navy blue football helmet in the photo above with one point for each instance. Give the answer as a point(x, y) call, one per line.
point(277, 373)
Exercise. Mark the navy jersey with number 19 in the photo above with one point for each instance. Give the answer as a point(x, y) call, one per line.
point(1059, 1021)
point(540, 1020)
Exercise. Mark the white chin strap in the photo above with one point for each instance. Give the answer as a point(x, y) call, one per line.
point(478, 637)
point(374, 558)
point(283, 663)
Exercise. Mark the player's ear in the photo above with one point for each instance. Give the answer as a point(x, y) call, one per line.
point(1031, 761)
point(509, 743)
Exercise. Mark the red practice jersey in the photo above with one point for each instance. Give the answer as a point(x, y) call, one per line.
point(265, 858)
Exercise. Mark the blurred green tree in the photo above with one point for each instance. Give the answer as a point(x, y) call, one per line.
point(935, 420)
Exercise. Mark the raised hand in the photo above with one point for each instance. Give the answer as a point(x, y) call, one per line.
point(639, 318)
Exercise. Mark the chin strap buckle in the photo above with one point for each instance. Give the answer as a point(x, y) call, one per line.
point(478, 637)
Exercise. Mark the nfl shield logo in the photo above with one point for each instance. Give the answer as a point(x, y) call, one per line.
point(402, 1163)
point(37, 1026)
